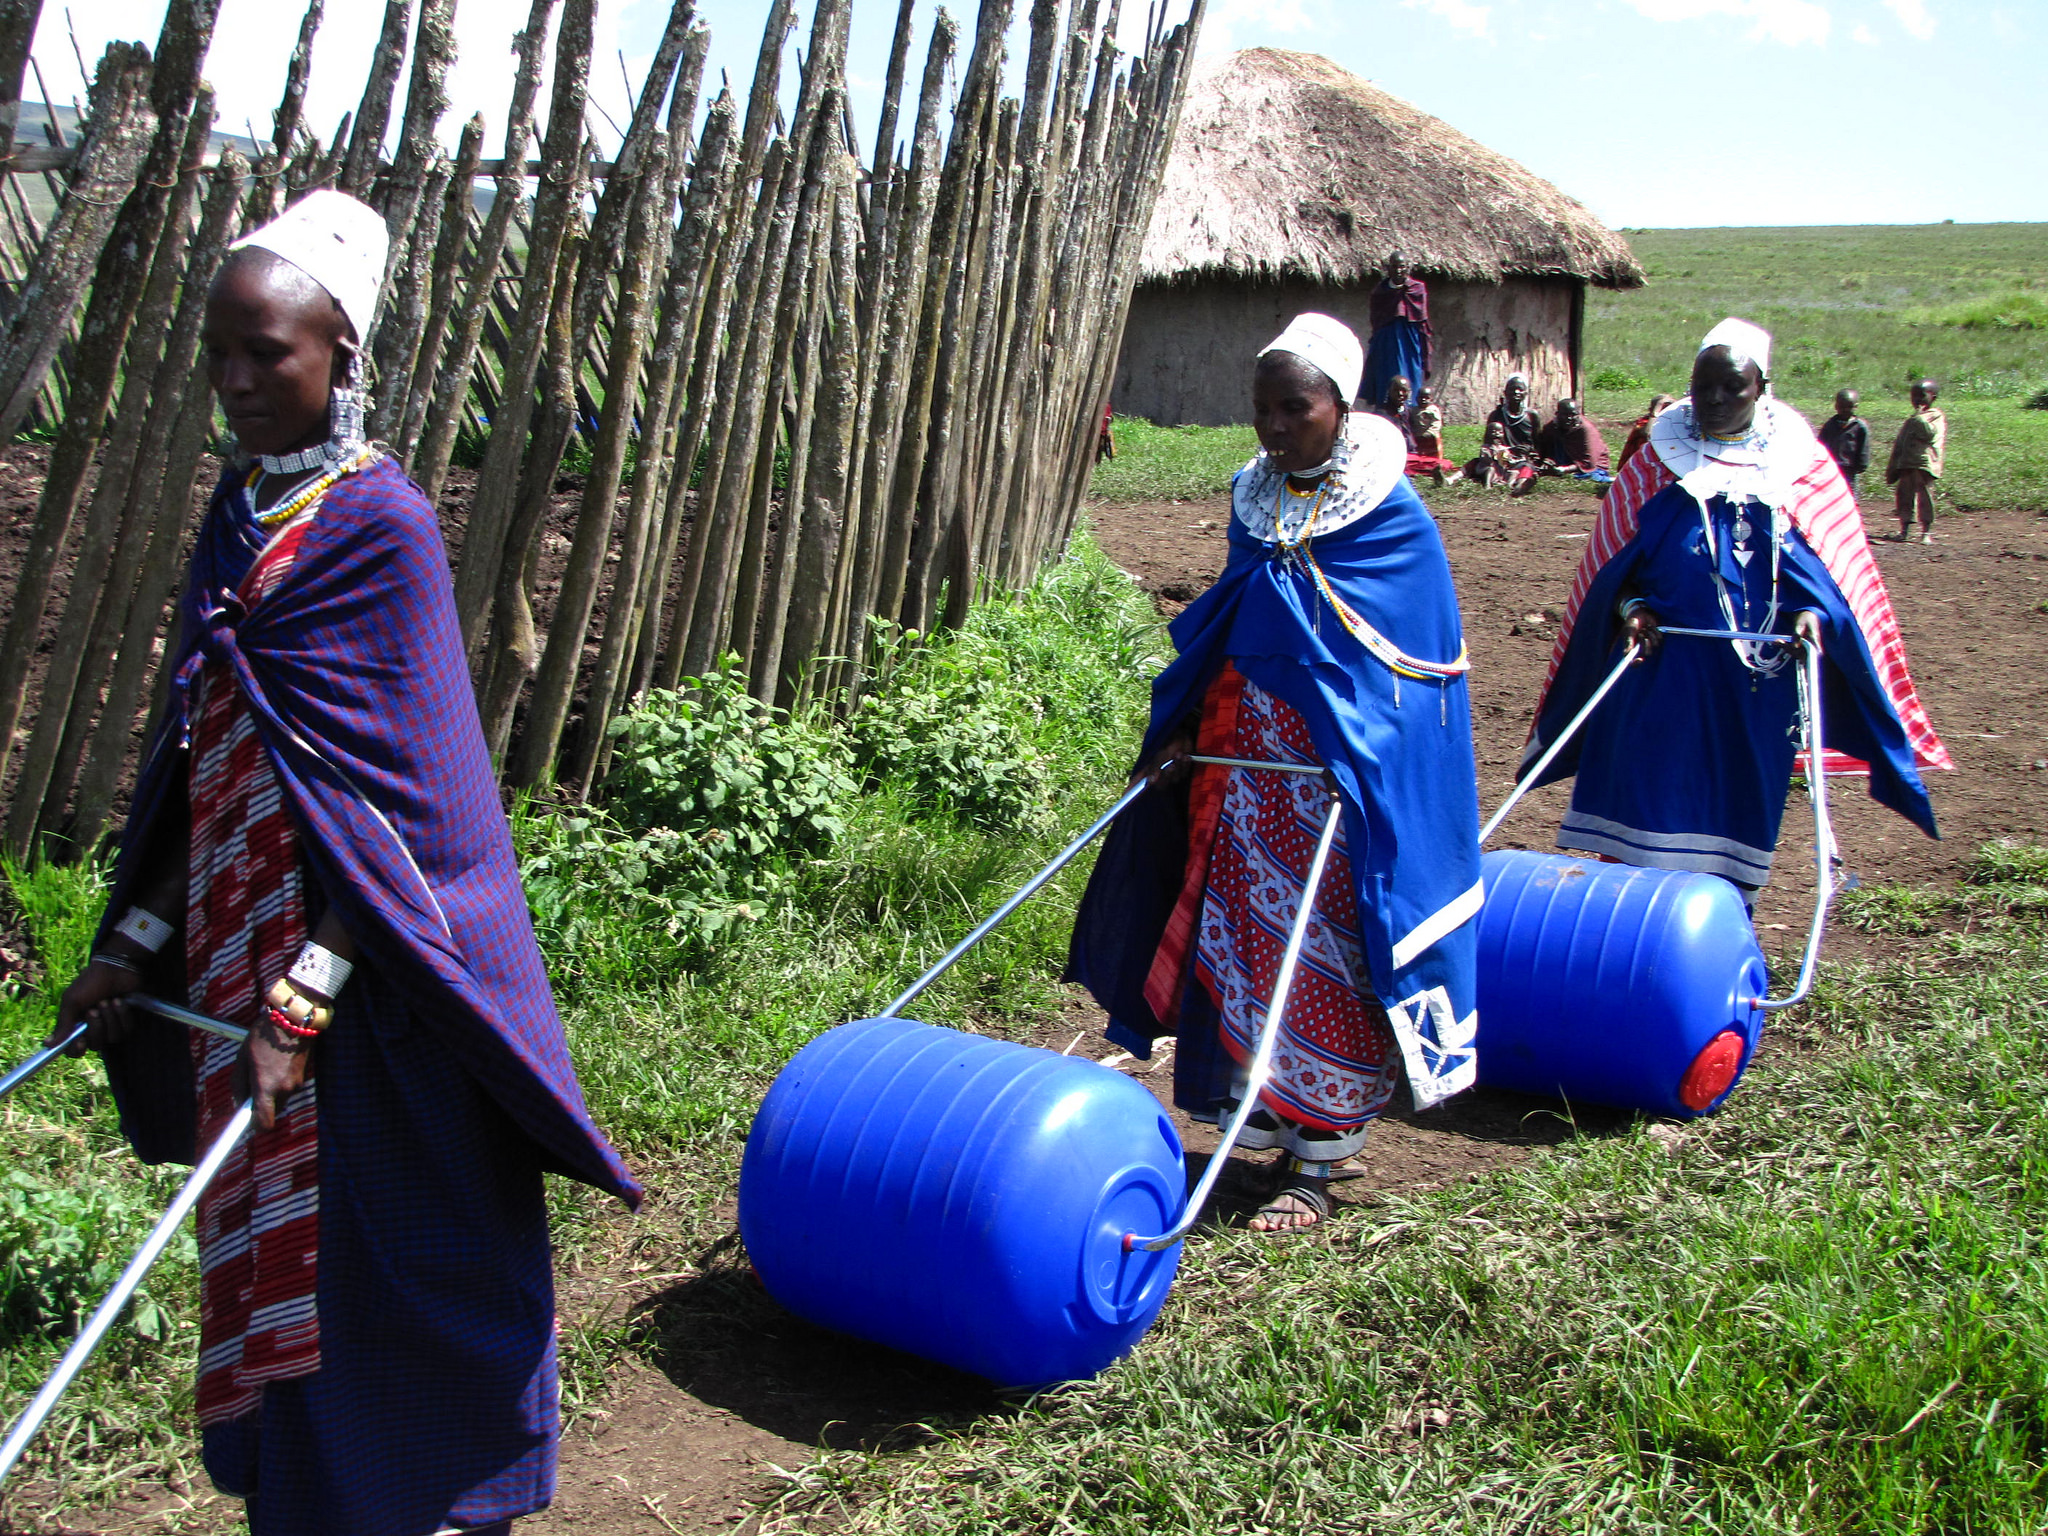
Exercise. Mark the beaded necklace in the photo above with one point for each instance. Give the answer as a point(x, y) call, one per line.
point(304, 497)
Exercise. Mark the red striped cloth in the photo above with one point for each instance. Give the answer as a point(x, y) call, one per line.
point(1218, 738)
point(1825, 513)
point(259, 1221)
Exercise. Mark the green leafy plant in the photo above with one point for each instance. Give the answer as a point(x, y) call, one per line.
point(946, 731)
point(1615, 376)
point(62, 1246)
point(739, 782)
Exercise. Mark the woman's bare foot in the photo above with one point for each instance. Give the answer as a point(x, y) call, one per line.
point(1298, 1204)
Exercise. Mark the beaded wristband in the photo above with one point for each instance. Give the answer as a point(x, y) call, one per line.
point(321, 970)
point(279, 1020)
point(107, 957)
point(146, 929)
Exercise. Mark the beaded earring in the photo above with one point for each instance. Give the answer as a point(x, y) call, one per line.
point(348, 411)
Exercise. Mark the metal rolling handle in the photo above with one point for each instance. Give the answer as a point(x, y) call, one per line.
point(1024, 893)
point(1823, 834)
point(1816, 783)
point(31, 1420)
point(1262, 1060)
point(81, 1349)
point(143, 1000)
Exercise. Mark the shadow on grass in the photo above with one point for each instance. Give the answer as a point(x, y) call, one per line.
point(1514, 1119)
point(722, 1338)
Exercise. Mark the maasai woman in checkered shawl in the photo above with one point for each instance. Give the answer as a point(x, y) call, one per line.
point(1332, 637)
point(1733, 518)
point(317, 824)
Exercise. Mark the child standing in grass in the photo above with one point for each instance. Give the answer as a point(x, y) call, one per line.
point(1846, 436)
point(1915, 463)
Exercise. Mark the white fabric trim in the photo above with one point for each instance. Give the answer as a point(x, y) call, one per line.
point(1436, 1046)
point(1445, 920)
point(1763, 467)
point(1369, 460)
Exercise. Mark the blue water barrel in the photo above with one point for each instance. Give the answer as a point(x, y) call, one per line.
point(1609, 984)
point(962, 1199)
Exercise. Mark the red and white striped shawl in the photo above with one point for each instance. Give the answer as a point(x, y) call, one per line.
point(1825, 513)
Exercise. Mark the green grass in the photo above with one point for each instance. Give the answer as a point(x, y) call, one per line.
point(1171, 463)
point(1823, 1310)
point(1871, 308)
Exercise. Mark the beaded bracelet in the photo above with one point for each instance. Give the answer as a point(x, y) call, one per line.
point(106, 957)
point(321, 970)
point(146, 929)
point(280, 1021)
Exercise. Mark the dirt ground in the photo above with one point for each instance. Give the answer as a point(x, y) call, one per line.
point(712, 1431)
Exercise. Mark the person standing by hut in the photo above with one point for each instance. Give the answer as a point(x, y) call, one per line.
point(1733, 519)
point(1402, 342)
point(1332, 638)
point(317, 852)
point(1916, 462)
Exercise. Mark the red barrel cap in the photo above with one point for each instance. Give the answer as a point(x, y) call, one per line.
point(1712, 1071)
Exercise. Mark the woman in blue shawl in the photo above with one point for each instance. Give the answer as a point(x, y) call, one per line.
point(317, 852)
point(1331, 638)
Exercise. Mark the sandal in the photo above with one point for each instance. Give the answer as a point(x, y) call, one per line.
point(1307, 1186)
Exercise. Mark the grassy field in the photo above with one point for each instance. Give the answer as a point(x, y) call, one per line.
point(1870, 308)
point(1823, 1310)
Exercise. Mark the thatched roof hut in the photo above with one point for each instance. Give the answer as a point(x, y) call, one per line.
point(1290, 181)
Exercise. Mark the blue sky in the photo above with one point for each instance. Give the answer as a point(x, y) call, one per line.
point(1652, 112)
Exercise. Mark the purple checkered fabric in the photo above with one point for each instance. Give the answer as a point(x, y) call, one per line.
point(445, 1085)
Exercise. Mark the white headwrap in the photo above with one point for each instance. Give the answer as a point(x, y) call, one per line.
point(1749, 343)
point(1328, 345)
point(340, 243)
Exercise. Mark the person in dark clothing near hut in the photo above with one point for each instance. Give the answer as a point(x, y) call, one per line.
point(1846, 436)
point(1401, 343)
point(1571, 445)
point(1508, 456)
point(317, 853)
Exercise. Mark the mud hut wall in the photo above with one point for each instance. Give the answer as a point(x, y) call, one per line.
point(1188, 346)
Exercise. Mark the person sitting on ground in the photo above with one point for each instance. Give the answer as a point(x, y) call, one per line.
point(1426, 422)
point(1519, 424)
point(1571, 445)
point(1394, 410)
point(316, 852)
point(1639, 433)
point(1402, 341)
point(1732, 520)
point(1333, 622)
point(1916, 460)
point(1498, 463)
point(1846, 436)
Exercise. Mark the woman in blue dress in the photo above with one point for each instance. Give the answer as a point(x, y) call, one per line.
point(1735, 520)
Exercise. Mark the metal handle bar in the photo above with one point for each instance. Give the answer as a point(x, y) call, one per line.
point(40, 1060)
point(1729, 634)
point(1024, 893)
point(1528, 780)
point(143, 1000)
point(1252, 762)
point(31, 1420)
point(1823, 836)
point(1262, 1060)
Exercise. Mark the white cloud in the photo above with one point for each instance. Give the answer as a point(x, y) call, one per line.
point(1223, 28)
point(1789, 22)
point(1463, 15)
point(1913, 16)
point(1862, 34)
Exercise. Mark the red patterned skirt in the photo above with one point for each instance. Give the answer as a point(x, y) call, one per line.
point(245, 919)
point(1252, 836)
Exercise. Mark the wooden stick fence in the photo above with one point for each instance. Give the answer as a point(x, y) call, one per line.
point(826, 395)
